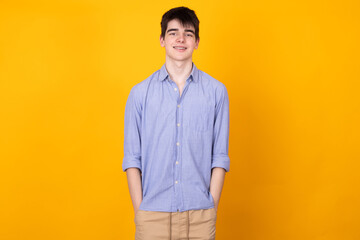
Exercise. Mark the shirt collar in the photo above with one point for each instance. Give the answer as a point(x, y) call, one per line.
point(194, 75)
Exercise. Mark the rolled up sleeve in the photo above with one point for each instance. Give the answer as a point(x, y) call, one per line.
point(132, 132)
point(220, 157)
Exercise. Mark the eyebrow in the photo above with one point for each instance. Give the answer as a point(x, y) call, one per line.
point(175, 29)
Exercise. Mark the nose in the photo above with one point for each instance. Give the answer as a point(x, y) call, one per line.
point(180, 38)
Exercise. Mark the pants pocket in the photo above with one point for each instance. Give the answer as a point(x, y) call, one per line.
point(137, 216)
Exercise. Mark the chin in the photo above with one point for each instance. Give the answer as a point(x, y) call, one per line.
point(181, 58)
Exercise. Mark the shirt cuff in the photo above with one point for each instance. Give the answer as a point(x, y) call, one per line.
point(131, 162)
point(222, 161)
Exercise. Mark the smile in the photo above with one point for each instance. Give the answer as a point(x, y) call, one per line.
point(180, 48)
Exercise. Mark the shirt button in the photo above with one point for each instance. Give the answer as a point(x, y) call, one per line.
point(178, 105)
point(177, 162)
point(178, 143)
point(176, 182)
point(178, 124)
point(175, 89)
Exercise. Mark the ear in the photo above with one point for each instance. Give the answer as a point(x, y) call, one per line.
point(162, 41)
point(197, 43)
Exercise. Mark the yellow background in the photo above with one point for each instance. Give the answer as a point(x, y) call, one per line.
point(292, 71)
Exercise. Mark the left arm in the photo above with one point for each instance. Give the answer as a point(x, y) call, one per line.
point(220, 158)
point(216, 184)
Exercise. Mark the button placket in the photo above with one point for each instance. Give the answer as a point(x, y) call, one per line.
point(177, 151)
point(177, 168)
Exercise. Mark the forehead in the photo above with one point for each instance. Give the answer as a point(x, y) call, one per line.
point(177, 24)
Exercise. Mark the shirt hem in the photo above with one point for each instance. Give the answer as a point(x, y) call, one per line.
point(163, 210)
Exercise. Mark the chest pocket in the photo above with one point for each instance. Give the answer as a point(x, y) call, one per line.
point(201, 117)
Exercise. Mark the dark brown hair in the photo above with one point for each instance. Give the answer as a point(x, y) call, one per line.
point(186, 17)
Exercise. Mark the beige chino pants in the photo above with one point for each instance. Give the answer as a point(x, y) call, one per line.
point(193, 224)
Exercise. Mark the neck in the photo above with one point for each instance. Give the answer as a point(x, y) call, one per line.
point(178, 70)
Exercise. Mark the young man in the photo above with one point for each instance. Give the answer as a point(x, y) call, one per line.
point(176, 140)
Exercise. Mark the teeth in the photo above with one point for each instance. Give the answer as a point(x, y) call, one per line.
point(179, 47)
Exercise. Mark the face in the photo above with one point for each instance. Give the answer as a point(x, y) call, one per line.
point(179, 41)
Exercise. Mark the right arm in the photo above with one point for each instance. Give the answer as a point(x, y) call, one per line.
point(132, 148)
point(135, 189)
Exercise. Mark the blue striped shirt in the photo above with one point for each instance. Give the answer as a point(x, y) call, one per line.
point(176, 140)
